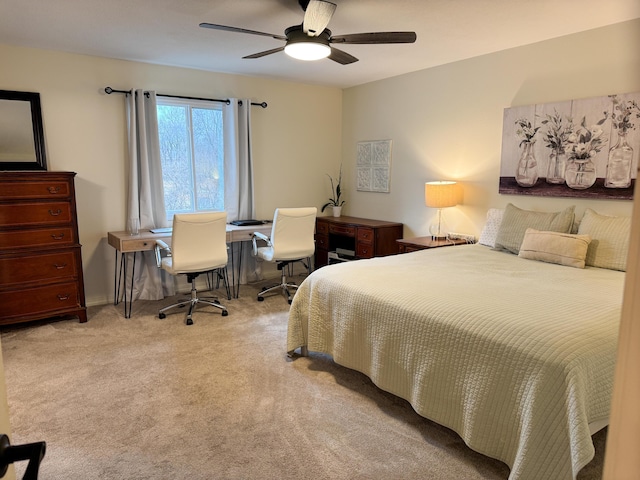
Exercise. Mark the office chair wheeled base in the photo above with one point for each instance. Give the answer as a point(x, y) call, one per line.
point(283, 286)
point(192, 302)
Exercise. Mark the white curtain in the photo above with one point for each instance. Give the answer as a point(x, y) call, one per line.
point(145, 199)
point(238, 175)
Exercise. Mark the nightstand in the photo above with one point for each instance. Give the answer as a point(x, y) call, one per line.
point(406, 245)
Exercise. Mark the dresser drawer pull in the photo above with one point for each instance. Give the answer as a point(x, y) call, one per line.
point(60, 267)
point(62, 298)
point(55, 213)
point(59, 236)
point(54, 190)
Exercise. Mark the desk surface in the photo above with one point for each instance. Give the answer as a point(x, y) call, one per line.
point(124, 242)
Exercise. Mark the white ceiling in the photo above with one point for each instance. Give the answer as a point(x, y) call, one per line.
point(166, 31)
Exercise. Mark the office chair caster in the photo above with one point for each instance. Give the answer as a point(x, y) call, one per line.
point(225, 313)
point(162, 315)
point(189, 321)
point(260, 299)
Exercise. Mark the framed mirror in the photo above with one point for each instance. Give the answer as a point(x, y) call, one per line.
point(21, 132)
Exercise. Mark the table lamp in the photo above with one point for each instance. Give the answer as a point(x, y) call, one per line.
point(440, 195)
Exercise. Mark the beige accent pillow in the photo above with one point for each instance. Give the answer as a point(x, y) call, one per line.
point(609, 240)
point(554, 247)
point(515, 222)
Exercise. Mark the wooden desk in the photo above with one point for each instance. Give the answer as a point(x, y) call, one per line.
point(125, 243)
point(367, 238)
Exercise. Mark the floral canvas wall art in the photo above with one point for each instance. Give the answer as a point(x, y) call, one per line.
point(577, 148)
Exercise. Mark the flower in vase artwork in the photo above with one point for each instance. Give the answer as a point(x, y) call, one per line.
point(582, 146)
point(620, 159)
point(527, 169)
point(622, 113)
point(555, 137)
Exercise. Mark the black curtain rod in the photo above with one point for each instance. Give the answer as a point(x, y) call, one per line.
point(109, 91)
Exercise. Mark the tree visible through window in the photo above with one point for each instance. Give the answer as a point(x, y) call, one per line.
point(192, 156)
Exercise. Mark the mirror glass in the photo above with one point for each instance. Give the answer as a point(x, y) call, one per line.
point(21, 133)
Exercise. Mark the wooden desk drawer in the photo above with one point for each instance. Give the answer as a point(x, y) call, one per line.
point(365, 235)
point(34, 189)
point(322, 227)
point(345, 230)
point(322, 242)
point(134, 244)
point(364, 250)
point(49, 300)
point(37, 267)
point(35, 213)
point(42, 237)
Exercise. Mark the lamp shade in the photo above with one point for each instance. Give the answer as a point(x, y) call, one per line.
point(441, 194)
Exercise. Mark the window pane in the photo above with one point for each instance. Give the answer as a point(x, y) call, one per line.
point(208, 157)
point(175, 155)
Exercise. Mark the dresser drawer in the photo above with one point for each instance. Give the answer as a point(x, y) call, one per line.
point(364, 250)
point(37, 268)
point(42, 237)
point(48, 301)
point(45, 213)
point(345, 230)
point(365, 235)
point(34, 189)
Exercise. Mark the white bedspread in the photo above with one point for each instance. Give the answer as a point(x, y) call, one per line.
point(515, 355)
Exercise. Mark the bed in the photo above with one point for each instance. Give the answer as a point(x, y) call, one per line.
point(514, 354)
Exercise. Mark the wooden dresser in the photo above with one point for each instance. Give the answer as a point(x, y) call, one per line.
point(367, 238)
point(40, 257)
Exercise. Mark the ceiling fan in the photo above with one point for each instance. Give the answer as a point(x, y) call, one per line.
point(312, 40)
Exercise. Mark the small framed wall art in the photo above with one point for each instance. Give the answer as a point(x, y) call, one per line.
point(373, 166)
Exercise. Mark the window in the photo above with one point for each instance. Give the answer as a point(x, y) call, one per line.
point(192, 155)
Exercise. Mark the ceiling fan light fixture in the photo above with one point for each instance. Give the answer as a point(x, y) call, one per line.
point(307, 51)
point(304, 47)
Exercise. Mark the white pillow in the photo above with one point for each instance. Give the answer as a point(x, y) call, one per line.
point(491, 227)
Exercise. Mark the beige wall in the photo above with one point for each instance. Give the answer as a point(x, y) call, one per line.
point(296, 140)
point(446, 123)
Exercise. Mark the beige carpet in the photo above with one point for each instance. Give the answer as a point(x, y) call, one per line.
point(144, 398)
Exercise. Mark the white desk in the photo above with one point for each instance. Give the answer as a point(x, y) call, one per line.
point(125, 243)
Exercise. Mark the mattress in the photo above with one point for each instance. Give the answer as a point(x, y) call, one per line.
point(516, 356)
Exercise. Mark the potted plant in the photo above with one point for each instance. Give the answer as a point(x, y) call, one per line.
point(334, 201)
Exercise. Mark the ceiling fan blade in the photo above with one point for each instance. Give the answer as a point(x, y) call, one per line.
point(341, 57)
point(240, 30)
point(317, 16)
point(375, 37)
point(265, 53)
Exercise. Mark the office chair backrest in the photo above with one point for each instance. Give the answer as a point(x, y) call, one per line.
point(292, 233)
point(199, 241)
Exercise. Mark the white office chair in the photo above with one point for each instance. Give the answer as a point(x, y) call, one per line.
point(291, 241)
point(198, 245)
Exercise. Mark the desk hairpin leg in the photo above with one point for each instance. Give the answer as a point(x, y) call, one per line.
point(128, 305)
point(236, 286)
point(120, 282)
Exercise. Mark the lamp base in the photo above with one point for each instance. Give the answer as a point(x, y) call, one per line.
point(438, 237)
